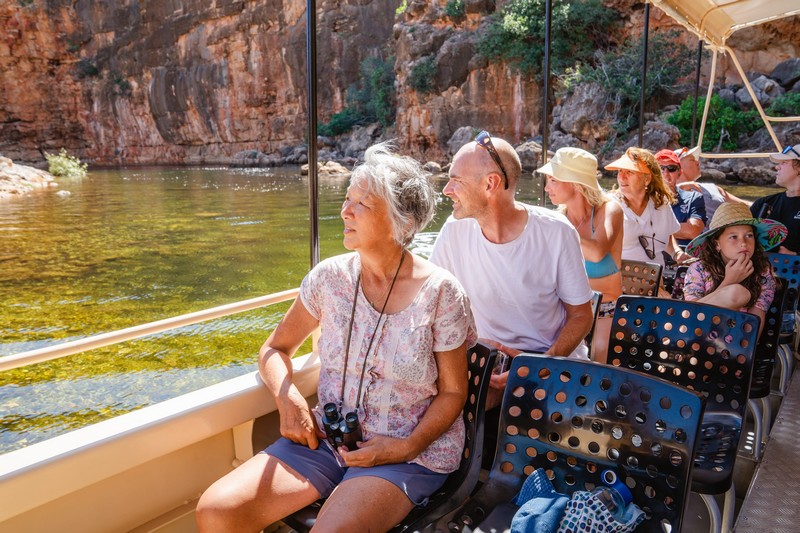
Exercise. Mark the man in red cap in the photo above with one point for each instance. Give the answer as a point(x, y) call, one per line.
point(784, 206)
point(689, 208)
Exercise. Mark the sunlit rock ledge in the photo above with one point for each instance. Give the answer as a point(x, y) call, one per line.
point(16, 179)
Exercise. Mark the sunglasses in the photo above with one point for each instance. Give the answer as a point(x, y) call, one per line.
point(649, 245)
point(670, 168)
point(484, 140)
point(790, 149)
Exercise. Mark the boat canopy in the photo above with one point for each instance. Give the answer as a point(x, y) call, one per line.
point(714, 21)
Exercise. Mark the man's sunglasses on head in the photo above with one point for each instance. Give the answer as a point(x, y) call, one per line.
point(484, 140)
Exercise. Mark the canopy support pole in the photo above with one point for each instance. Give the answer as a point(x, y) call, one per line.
point(645, 39)
point(546, 88)
point(696, 88)
point(311, 94)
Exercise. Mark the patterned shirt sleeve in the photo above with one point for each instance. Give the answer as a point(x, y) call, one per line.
point(694, 285)
point(768, 288)
point(453, 323)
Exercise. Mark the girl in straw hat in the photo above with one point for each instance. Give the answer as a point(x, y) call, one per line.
point(732, 271)
point(572, 185)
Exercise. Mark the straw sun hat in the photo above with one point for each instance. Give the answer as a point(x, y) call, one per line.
point(573, 165)
point(769, 233)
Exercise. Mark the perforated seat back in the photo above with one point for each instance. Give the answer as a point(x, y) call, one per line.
point(576, 419)
point(767, 347)
point(640, 278)
point(704, 348)
point(787, 267)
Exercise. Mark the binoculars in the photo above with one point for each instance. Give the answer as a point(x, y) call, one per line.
point(341, 431)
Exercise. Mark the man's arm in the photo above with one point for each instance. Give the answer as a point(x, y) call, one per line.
point(577, 324)
point(733, 198)
point(697, 219)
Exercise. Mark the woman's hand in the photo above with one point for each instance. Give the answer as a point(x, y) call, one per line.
point(298, 423)
point(737, 270)
point(379, 450)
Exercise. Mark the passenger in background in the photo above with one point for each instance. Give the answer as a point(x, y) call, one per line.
point(732, 271)
point(649, 222)
point(392, 349)
point(688, 206)
point(521, 265)
point(713, 194)
point(784, 206)
point(572, 185)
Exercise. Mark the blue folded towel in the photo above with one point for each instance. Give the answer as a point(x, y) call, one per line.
point(541, 507)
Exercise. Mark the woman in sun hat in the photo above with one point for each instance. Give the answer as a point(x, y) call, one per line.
point(646, 201)
point(732, 271)
point(572, 185)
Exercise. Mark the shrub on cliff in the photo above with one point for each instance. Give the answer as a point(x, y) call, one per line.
point(421, 76)
point(65, 165)
point(372, 99)
point(725, 123)
point(619, 71)
point(515, 34)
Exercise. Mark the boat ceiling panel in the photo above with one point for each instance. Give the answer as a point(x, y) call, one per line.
point(715, 20)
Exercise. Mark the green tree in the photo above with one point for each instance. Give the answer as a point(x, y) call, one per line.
point(725, 123)
point(515, 34)
point(372, 99)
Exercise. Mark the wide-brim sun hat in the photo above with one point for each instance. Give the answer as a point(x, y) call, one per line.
point(626, 163)
point(769, 233)
point(573, 165)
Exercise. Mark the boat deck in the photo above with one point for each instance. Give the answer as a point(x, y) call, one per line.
point(771, 503)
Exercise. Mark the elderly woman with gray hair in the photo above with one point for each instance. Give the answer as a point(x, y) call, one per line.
point(393, 380)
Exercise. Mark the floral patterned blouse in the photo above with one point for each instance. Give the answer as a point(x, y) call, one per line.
point(400, 376)
point(698, 283)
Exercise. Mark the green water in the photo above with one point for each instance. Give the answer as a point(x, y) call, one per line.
point(135, 245)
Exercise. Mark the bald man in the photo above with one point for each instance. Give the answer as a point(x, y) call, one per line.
point(520, 265)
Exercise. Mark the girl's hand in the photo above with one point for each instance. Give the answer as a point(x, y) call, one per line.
point(379, 450)
point(737, 270)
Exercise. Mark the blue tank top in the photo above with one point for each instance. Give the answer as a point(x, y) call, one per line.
point(600, 269)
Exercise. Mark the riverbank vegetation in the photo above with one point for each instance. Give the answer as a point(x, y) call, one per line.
point(64, 165)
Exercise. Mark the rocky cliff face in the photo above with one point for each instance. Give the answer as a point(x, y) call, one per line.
point(173, 81)
point(197, 81)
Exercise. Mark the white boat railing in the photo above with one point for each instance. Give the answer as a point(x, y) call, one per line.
point(105, 339)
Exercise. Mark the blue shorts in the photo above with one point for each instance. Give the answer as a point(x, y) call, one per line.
point(321, 468)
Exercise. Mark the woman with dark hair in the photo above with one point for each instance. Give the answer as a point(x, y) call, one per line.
point(732, 271)
point(392, 348)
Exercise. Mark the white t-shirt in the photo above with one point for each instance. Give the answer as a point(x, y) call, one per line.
point(517, 288)
point(660, 222)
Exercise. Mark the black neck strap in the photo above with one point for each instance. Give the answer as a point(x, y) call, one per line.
point(374, 331)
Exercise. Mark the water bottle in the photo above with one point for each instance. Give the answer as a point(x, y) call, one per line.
point(615, 495)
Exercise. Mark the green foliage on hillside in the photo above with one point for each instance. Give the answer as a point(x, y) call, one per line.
point(371, 99)
point(619, 72)
point(515, 34)
point(455, 10)
point(421, 76)
point(65, 165)
point(725, 123)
